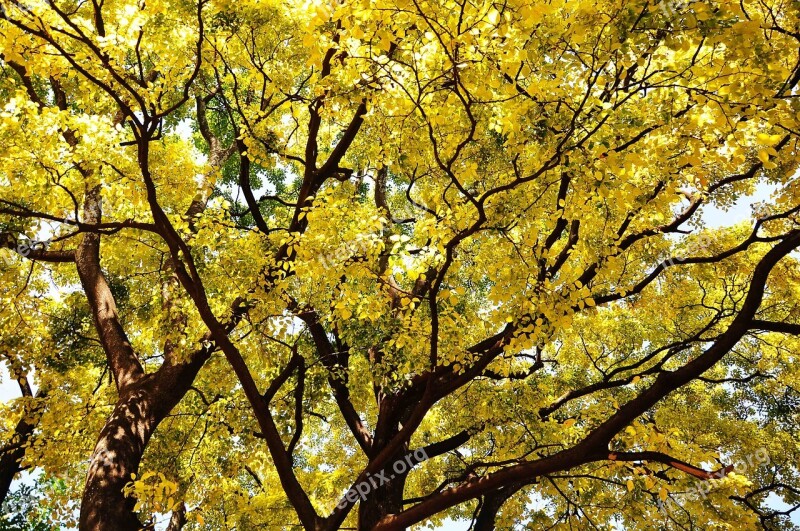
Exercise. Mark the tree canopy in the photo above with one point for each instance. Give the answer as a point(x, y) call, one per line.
point(260, 256)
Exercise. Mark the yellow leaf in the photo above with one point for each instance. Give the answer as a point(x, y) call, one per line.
point(767, 140)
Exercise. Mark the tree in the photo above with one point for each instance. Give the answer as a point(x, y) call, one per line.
point(22, 511)
point(378, 263)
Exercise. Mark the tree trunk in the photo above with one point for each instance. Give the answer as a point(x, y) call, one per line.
point(491, 506)
point(386, 489)
point(119, 449)
point(386, 498)
point(116, 455)
point(11, 455)
point(178, 519)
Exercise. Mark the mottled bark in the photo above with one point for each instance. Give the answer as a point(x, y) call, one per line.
point(143, 399)
point(116, 456)
point(119, 449)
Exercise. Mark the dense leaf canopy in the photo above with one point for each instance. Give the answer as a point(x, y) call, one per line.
point(257, 253)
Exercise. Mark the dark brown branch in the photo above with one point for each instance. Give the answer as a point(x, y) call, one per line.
point(35, 250)
point(178, 518)
point(244, 184)
point(659, 457)
point(284, 375)
point(340, 390)
point(298, 406)
point(12, 453)
point(331, 165)
point(774, 326)
point(594, 446)
point(189, 278)
point(667, 381)
point(447, 445)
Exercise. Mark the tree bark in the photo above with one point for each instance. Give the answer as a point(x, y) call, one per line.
point(178, 519)
point(12, 454)
point(491, 506)
point(144, 399)
point(116, 455)
point(9, 466)
point(119, 449)
point(386, 497)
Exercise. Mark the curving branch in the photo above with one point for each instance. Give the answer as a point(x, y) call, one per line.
point(594, 447)
point(659, 457)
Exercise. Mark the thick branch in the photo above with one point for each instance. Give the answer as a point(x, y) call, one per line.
point(774, 326)
point(123, 361)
